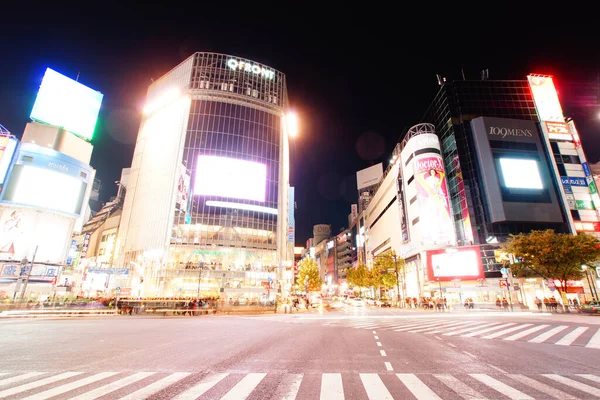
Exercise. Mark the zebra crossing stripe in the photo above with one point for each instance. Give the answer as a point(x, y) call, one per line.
point(592, 378)
point(201, 388)
point(571, 337)
point(458, 332)
point(111, 387)
point(14, 379)
point(375, 388)
point(417, 387)
point(547, 335)
point(594, 342)
point(493, 328)
point(37, 384)
point(71, 386)
point(290, 387)
point(501, 387)
point(505, 331)
point(462, 325)
point(526, 332)
point(542, 387)
point(409, 327)
point(331, 387)
point(574, 384)
point(156, 386)
point(457, 386)
point(244, 387)
point(445, 325)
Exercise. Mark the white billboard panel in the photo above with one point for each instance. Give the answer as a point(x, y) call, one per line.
point(21, 230)
point(546, 98)
point(369, 176)
point(45, 188)
point(230, 177)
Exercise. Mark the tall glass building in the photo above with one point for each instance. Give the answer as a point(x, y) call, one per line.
point(207, 206)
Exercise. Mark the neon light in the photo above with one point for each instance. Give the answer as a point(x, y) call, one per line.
point(256, 69)
point(239, 206)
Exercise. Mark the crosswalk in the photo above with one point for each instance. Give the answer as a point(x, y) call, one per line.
point(559, 335)
point(288, 386)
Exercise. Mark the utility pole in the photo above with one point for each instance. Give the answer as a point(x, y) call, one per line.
point(28, 274)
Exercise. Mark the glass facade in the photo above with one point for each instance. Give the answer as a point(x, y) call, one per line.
point(455, 105)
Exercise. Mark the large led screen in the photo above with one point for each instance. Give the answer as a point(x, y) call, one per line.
point(521, 173)
point(63, 102)
point(230, 177)
point(40, 187)
point(451, 264)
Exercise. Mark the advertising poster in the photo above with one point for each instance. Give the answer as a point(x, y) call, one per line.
point(291, 236)
point(432, 195)
point(21, 230)
point(183, 188)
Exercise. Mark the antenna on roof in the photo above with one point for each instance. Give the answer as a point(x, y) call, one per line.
point(462, 71)
point(77, 78)
point(485, 74)
point(441, 80)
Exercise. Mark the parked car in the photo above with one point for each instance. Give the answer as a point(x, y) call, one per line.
point(592, 307)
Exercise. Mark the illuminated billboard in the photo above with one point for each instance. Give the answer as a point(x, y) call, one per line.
point(230, 177)
point(65, 103)
point(7, 150)
point(460, 263)
point(21, 230)
point(521, 173)
point(545, 98)
point(45, 188)
point(435, 216)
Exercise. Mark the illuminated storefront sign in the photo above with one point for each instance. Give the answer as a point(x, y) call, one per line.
point(239, 65)
point(546, 98)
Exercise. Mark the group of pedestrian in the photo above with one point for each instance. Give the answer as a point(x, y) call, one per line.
point(502, 303)
point(469, 303)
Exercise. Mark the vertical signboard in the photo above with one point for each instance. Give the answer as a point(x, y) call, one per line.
point(183, 189)
point(466, 218)
point(291, 236)
point(402, 207)
point(546, 98)
point(84, 247)
point(354, 212)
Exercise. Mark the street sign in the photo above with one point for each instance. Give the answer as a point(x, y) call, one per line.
point(504, 271)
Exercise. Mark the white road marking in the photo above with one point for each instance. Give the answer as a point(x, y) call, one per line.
point(460, 388)
point(111, 387)
point(37, 384)
point(71, 386)
point(450, 344)
point(493, 328)
point(417, 387)
point(446, 325)
point(574, 384)
point(157, 386)
point(383, 353)
point(526, 332)
point(243, 388)
point(374, 332)
point(201, 388)
point(469, 354)
point(458, 332)
point(14, 379)
point(376, 337)
point(331, 387)
point(505, 331)
point(548, 334)
point(593, 378)
point(379, 344)
point(458, 326)
point(497, 369)
point(594, 342)
point(501, 387)
point(571, 337)
point(542, 387)
point(388, 366)
point(374, 387)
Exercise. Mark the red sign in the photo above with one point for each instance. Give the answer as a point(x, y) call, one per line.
point(455, 263)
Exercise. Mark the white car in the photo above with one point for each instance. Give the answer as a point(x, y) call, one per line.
point(358, 302)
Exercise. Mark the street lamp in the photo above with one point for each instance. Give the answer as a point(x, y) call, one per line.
point(291, 120)
point(200, 268)
point(437, 268)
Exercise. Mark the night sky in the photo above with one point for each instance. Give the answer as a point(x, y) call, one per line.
point(357, 77)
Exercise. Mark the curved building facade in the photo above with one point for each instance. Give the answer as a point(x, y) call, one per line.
point(206, 211)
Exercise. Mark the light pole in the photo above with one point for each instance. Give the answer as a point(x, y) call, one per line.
point(397, 279)
point(437, 268)
point(200, 268)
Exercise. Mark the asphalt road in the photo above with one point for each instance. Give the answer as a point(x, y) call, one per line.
point(351, 353)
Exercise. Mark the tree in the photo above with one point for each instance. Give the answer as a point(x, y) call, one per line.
point(358, 276)
point(308, 274)
point(387, 269)
point(552, 256)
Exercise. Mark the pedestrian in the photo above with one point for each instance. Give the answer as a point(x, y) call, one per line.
point(498, 303)
point(471, 303)
point(538, 303)
point(505, 304)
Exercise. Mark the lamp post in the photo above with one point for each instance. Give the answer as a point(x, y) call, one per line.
point(200, 268)
point(397, 279)
point(437, 268)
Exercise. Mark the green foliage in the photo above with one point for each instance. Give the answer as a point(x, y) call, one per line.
point(552, 256)
point(358, 276)
point(385, 268)
point(308, 272)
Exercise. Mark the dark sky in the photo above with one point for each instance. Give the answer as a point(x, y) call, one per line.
point(358, 77)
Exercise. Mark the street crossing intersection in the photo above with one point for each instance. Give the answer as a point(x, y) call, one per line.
point(323, 386)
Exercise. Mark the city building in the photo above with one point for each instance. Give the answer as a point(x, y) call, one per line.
point(209, 184)
point(46, 182)
point(491, 158)
point(366, 183)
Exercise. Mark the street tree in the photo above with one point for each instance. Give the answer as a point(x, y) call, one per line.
point(308, 274)
point(387, 269)
point(551, 255)
point(358, 276)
